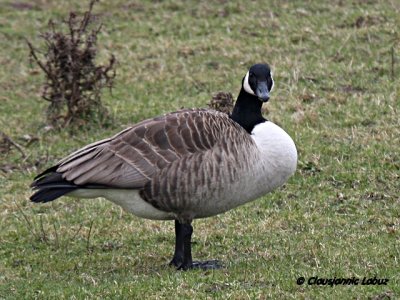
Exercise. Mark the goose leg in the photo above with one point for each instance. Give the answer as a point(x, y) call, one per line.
point(177, 260)
point(184, 246)
point(186, 230)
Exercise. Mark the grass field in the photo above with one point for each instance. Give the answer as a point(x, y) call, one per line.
point(336, 69)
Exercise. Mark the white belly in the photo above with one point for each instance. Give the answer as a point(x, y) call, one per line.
point(129, 200)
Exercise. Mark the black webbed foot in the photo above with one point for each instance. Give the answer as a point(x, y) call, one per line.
point(176, 262)
point(182, 259)
point(202, 265)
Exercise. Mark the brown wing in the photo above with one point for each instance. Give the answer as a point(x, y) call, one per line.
point(133, 156)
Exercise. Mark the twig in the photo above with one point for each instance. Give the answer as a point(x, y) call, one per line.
point(38, 61)
point(56, 234)
point(87, 18)
point(16, 145)
point(26, 158)
point(30, 226)
point(44, 235)
point(76, 233)
point(88, 238)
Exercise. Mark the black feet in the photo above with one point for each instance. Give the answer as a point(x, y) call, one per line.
point(196, 265)
point(202, 265)
point(176, 262)
point(182, 259)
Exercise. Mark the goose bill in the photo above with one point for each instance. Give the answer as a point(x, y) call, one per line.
point(262, 91)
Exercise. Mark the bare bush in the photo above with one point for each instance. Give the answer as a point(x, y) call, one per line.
point(222, 101)
point(73, 80)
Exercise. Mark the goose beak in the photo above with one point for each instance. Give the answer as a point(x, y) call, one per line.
point(262, 91)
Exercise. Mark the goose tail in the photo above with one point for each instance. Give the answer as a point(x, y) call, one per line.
point(50, 185)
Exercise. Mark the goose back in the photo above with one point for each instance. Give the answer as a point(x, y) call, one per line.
point(131, 158)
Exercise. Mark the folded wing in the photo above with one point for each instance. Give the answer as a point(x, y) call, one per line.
point(133, 156)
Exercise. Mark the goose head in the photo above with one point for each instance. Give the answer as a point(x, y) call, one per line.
point(259, 82)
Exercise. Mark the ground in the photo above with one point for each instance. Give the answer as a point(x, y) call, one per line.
point(336, 68)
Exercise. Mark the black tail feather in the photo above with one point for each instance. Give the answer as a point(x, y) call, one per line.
point(49, 170)
point(50, 185)
point(48, 179)
point(50, 194)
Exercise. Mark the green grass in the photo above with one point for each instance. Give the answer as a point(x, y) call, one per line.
point(337, 94)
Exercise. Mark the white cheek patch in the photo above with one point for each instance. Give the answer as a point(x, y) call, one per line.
point(246, 85)
point(273, 83)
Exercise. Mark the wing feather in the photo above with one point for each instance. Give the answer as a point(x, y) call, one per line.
point(132, 157)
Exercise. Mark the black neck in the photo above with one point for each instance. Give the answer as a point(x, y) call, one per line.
point(247, 111)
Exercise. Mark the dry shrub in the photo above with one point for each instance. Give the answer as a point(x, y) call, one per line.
point(222, 101)
point(73, 80)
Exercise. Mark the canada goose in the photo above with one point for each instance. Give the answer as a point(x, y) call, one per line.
point(193, 163)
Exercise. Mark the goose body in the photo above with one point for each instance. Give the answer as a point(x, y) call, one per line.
point(202, 186)
point(193, 163)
